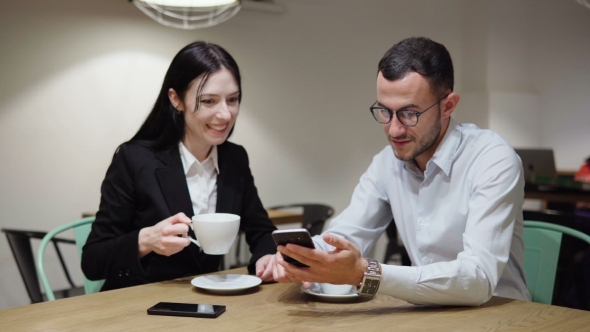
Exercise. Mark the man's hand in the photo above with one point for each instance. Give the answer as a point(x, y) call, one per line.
point(343, 265)
point(162, 238)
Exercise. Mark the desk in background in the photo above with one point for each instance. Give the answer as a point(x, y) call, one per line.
point(280, 307)
point(277, 217)
point(556, 194)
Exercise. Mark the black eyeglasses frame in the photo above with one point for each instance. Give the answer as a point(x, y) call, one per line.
point(379, 109)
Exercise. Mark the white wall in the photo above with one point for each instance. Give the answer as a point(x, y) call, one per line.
point(531, 74)
point(562, 75)
point(79, 76)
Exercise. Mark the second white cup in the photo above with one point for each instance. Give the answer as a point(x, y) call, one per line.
point(332, 289)
point(216, 232)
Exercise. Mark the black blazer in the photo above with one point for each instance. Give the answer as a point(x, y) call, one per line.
point(144, 186)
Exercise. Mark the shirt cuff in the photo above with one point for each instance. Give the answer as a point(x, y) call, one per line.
point(398, 281)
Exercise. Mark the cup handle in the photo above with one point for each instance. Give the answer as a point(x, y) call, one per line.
point(194, 241)
point(191, 239)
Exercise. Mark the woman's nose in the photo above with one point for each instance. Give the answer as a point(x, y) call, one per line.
point(223, 111)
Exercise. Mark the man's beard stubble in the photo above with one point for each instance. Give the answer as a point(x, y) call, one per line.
point(423, 144)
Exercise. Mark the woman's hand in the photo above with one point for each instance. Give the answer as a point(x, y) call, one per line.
point(162, 238)
point(268, 268)
point(279, 274)
point(264, 267)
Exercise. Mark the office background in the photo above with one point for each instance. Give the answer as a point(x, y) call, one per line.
point(78, 78)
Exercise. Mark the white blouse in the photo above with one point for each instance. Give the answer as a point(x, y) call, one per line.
point(201, 179)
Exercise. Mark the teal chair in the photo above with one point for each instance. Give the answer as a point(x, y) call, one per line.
point(81, 228)
point(542, 242)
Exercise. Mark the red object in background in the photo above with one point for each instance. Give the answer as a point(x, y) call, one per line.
point(583, 174)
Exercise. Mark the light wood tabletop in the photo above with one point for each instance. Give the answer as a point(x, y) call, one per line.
point(280, 307)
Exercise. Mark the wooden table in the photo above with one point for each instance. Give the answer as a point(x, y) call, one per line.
point(280, 307)
point(277, 217)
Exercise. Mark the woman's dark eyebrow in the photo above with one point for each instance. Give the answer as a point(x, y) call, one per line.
point(215, 94)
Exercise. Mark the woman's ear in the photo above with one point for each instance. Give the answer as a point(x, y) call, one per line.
point(449, 104)
point(175, 100)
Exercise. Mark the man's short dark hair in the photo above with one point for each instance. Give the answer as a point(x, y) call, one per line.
point(423, 56)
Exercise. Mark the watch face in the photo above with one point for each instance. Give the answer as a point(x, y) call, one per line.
point(370, 286)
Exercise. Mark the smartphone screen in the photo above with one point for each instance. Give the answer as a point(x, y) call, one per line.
point(298, 236)
point(186, 310)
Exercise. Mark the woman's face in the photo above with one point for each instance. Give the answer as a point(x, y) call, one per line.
point(208, 119)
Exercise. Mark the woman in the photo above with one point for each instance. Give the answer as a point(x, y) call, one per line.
point(177, 165)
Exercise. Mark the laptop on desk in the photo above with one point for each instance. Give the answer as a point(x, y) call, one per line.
point(537, 162)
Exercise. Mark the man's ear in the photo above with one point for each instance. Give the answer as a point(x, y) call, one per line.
point(175, 100)
point(448, 104)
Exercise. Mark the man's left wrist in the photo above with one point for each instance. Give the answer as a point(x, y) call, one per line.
point(371, 278)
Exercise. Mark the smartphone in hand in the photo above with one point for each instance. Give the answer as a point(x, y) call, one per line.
point(299, 236)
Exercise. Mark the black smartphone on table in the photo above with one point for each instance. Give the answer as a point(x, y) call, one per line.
point(187, 310)
point(299, 236)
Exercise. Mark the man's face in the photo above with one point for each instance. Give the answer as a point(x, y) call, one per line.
point(411, 92)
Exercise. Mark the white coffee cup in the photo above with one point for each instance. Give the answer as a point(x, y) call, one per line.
point(332, 289)
point(216, 232)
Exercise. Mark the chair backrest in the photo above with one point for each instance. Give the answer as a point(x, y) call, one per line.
point(314, 215)
point(20, 244)
point(395, 253)
point(81, 233)
point(81, 230)
point(542, 243)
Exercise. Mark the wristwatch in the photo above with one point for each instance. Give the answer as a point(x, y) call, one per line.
point(371, 279)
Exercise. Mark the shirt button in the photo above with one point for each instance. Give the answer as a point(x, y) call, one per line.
point(426, 184)
point(426, 260)
point(422, 222)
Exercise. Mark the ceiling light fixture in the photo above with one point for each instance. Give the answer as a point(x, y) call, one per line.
point(189, 14)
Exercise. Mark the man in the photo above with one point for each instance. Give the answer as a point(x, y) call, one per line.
point(454, 191)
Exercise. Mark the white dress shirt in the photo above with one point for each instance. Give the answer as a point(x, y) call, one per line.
point(201, 179)
point(460, 220)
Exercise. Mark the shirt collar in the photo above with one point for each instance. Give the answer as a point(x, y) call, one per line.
point(445, 153)
point(213, 156)
point(188, 159)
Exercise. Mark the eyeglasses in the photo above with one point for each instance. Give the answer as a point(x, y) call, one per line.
point(408, 118)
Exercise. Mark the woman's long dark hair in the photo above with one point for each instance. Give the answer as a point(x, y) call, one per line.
point(164, 126)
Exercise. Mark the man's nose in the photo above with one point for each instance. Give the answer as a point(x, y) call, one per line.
point(396, 128)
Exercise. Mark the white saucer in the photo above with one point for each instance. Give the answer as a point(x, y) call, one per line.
point(316, 290)
point(226, 283)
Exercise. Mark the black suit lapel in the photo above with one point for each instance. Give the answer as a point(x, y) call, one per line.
point(173, 182)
